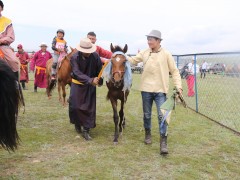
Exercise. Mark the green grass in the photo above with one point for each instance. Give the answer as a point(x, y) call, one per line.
point(51, 149)
point(218, 98)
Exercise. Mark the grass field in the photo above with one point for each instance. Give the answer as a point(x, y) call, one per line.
point(51, 149)
point(218, 98)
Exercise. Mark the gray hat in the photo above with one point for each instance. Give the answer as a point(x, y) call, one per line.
point(155, 33)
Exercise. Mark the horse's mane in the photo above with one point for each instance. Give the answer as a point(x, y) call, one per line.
point(9, 103)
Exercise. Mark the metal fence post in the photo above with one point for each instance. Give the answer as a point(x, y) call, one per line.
point(195, 83)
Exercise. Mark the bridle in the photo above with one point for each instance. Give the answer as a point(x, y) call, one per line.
point(118, 72)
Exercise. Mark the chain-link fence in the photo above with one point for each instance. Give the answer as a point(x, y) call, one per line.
point(211, 85)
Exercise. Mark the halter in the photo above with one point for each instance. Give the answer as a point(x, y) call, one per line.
point(118, 72)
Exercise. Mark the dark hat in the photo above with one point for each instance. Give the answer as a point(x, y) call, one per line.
point(61, 31)
point(1, 4)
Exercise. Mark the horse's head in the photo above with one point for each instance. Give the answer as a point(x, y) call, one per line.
point(118, 63)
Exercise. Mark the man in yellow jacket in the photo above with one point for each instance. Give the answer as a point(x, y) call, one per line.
point(154, 86)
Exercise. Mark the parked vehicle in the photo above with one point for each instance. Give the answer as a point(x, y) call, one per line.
point(217, 68)
point(138, 68)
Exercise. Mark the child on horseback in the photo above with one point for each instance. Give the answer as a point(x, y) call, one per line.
point(59, 46)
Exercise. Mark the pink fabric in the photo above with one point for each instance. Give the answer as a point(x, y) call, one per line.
point(190, 83)
point(7, 37)
point(40, 60)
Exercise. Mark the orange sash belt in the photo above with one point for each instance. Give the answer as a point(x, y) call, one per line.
point(1, 54)
point(39, 69)
point(23, 66)
point(76, 81)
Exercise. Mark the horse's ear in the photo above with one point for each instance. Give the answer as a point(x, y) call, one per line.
point(71, 49)
point(125, 49)
point(112, 48)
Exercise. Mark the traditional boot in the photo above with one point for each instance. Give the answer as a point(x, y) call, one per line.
point(148, 139)
point(163, 145)
point(35, 88)
point(78, 128)
point(86, 135)
point(24, 85)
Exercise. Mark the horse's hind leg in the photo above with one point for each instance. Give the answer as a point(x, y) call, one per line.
point(59, 91)
point(64, 94)
point(122, 118)
point(116, 119)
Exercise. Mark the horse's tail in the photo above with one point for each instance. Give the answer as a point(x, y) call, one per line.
point(9, 104)
point(51, 86)
point(51, 83)
point(21, 98)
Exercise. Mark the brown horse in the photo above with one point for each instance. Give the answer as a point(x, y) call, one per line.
point(10, 99)
point(115, 84)
point(63, 76)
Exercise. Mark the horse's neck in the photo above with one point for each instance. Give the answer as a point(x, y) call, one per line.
point(111, 86)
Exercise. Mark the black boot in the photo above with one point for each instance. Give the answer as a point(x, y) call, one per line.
point(86, 135)
point(78, 128)
point(163, 145)
point(148, 139)
point(23, 85)
point(35, 88)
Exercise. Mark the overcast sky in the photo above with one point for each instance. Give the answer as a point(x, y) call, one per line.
point(187, 26)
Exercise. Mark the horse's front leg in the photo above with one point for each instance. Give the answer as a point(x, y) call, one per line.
point(122, 119)
point(115, 118)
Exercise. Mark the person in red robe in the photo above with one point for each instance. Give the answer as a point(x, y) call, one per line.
point(39, 62)
point(30, 60)
point(24, 59)
point(105, 55)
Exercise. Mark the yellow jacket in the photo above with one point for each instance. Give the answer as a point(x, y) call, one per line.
point(157, 65)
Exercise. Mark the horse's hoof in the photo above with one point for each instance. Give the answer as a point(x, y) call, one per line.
point(115, 143)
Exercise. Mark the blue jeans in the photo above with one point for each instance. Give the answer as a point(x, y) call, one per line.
point(147, 100)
